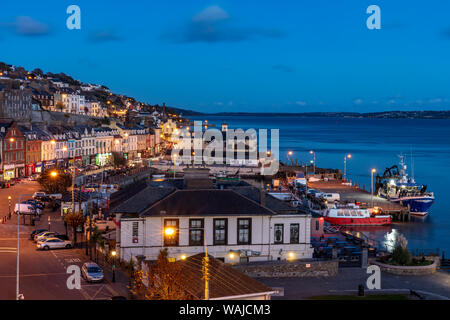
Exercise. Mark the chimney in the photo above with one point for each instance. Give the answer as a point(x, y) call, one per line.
point(224, 127)
point(262, 194)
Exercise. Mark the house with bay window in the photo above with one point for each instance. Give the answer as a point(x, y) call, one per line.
point(234, 227)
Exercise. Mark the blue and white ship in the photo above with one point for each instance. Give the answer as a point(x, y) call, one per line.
point(398, 187)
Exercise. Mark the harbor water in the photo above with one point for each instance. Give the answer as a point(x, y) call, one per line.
point(373, 143)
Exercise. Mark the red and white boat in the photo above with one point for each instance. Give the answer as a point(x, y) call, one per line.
point(355, 216)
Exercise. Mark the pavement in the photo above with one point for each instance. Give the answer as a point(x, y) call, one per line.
point(43, 274)
point(435, 286)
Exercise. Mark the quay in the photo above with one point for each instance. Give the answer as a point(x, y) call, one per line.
point(353, 194)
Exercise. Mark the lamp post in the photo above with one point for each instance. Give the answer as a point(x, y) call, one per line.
point(290, 153)
point(169, 231)
point(349, 156)
point(113, 254)
point(314, 160)
point(9, 207)
point(371, 184)
point(18, 296)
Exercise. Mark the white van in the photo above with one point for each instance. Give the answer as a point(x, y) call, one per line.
point(26, 208)
point(331, 197)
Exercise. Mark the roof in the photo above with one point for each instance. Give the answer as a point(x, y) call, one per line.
point(272, 203)
point(224, 282)
point(144, 199)
point(85, 196)
point(208, 202)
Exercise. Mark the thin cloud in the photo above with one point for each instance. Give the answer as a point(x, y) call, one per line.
point(104, 36)
point(27, 26)
point(212, 25)
point(283, 68)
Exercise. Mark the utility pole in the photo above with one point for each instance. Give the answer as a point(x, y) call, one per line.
point(205, 268)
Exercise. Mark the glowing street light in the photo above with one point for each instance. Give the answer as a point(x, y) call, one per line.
point(169, 231)
point(349, 156)
point(12, 139)
point(54, 174)
point(314, 161)
point(371, 183)
point(113, 254)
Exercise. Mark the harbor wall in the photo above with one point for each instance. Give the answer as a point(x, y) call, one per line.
point(277, 269)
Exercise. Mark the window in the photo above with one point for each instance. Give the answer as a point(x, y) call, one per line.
point(196, 232)
point(171, 240)
point(135, 232)
point(295, 231)
point(220, 231)
point(244, 231)
point(278, 233)
point(317, 225)
point(135, 229)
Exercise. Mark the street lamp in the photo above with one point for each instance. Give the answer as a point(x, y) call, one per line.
point(349, 156)
point(19, 296)
point(371, 183)
point(113, 254)
point(9, 207)
point(169, 231)
point(289, 154)
point(314, 154)
point(54, 174)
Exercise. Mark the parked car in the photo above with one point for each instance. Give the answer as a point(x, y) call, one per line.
point(62, 237)
point(44, 235)
point(91, 272)
point(35, 232)
point(34, 203)
point(55, 196)
point(40, 195)
point(53, 243)
point(330, 197)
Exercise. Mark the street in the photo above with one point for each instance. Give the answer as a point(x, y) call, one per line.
point(43, 273)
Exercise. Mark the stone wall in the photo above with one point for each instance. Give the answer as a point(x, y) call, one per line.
point(300, 268)
point(405, 270)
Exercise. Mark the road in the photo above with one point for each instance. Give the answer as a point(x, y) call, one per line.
point(348, 279)
point(42, 273)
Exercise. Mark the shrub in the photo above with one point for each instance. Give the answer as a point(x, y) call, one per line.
point(401, 256)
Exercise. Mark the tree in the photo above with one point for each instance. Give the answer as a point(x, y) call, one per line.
point(118, 159)
point(59, 106)
point(75, 220)
point(161, 282)
point(86, 110)
point(55, 183)
point(96, 237)
point(401, 254)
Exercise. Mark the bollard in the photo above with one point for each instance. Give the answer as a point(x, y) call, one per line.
point(361, 290)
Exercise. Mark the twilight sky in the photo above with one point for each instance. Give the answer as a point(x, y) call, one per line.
point(251, 55)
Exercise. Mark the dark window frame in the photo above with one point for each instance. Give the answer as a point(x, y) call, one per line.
point(202, 231)
point(238, 228)
point(225, 242)
point(296, 241)
point(282, 233)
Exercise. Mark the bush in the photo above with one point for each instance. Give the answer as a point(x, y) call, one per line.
point(401, 256)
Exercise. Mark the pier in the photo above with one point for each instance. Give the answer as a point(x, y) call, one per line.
point(353, 194)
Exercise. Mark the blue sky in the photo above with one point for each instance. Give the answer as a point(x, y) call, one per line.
point(256, 56)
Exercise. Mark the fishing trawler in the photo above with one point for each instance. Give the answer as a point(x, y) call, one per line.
point(396, 186)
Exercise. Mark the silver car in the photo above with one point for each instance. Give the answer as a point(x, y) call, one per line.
point(91, 272)
point(44, 235)
point(53, 243)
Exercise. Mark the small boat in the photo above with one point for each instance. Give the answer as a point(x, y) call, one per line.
point(352, 215)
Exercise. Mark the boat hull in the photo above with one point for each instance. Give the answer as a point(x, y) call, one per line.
point(417, 206)
point(370, 221)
